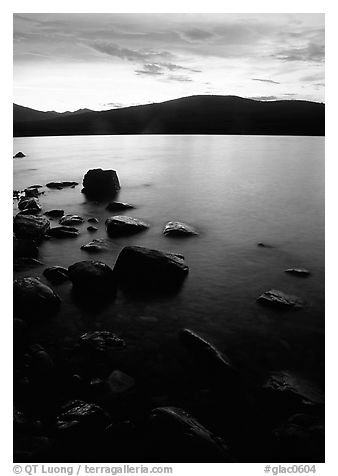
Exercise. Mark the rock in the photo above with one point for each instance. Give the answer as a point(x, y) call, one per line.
point(264, 245)
point(123, 225)
point(63, 232)
point(32, 192)
point(99, 183)
point(176, 228)
point(118, 206)
point(56, 213)
point(93, 277)
point(60, 185)
point(19, 154)
point(56, 274)
point(82, 416)
point(213, 360)
point(33, 299)
point(177, 436)
point(24, 247)
point(24, 262)
point(96, 246)
point(303, 273)
point(29, 226)
point(39, 360)
point(92, 229)
point(101, 342)
point(119, 382)
point(35, 186)
point(143, 268)
point(93, 220)
point(29, 204)
point(279, 299)
point(16, 194)
point(70, 220)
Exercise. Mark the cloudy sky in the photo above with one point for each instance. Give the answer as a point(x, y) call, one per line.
point(103, 61)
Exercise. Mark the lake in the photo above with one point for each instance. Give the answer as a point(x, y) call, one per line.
point(236, 191)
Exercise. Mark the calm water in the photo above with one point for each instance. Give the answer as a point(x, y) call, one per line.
point(237, 191)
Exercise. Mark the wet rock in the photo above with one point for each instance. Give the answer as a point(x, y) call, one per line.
point(122, 225)
point(19, 154)
point(119, 382)
point(29, 204)
point(279, 299)
point(96, 246)
point(29, 226)
point(70, 220)
point(303, 273)
point(99, 183)
point(61, 185)
point(32, 192)
point(176, 228)
point(177, 436)
point(93, 277)
point(93, 220)
point(118, 206)
point(63, 232)
point(143, 268)
point(33, 299)
point(78, 415)
point(24, 262)
point(55, 213)
point(92, 229)
point(56, 274)
point(24, 247)
point(101, 342)
point(212, 359)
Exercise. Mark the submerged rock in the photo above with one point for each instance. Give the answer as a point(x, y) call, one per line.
point(63, 232)
point(32, 299)
point(56, 274)
point(177, 228)
point(29, 226)
point(99, 183)
point(70, 220)
point(19, 154)
point(143, 268)
point(123, 225)
point(177, 436)
point(55, 213)
point(60, 185)
point(93, 277)
point(96, 246)
point(303, 273)
point(29, 204)
point(279, 299)
point(118, 206)
point(101, 342)
point(24, 247)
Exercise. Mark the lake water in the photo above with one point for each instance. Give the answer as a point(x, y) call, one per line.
point(236, 191)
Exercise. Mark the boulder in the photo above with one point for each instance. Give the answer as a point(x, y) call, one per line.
point(63, 232)
point(55, 213)
point(24, 247)
point(61, 185)
point(56, 274)
point(93, 278)
point(99, 183)
point(33, 299)
point(101, 342)
point(303, 273)
point(92, 229)
point(123, 225)
point(29, 204)
point(70, 220)
point(118, 206)
point(278, 299)
point(19, 154)
point(96, 246)
point(29, 226)
point(178, 436)
point(143, 268)
point(177, 228)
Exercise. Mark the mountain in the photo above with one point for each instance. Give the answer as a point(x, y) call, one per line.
point(188, 115)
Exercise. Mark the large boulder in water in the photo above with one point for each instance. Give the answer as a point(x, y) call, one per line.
point(143, 268)
point(177, 436)
point(93, 278)
point(123, 225)
point(32, 299)
point(30, 226)
point(99, 183)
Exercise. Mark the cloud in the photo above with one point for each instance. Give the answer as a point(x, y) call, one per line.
point(265, 80)
point(178, 77)
point(197, 34)
point(312, 52)
point(151, 69)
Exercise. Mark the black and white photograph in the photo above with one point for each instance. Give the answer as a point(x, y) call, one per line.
point(169, 238)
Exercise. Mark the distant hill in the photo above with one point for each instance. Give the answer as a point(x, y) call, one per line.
point(188, 115)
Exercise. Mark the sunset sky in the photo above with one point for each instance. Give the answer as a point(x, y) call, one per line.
point(104, 61)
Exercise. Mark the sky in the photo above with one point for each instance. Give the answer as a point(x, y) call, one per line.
point(68, 61)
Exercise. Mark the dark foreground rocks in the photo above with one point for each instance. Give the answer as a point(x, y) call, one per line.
point(56, 274)
point(93, 278)
point(118, 206)
point(32, 299)
point(177, 436)
point(301, 272)
point(63, 232)
point(278, 299)
point(139, 268)
point(123, 225)
point(177, 228)
point(30, 226)
point(98, 183)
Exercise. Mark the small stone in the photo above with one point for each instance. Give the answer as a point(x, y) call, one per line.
point(177, 228)
point(70, 220)
point(93, 220)
point(298, 272)
point(118, 206)
point(279, 299)
point(56, 274)
point(123, 225)
point(92, 228)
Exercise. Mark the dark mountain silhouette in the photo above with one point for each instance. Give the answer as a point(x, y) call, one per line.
point(188, 115)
